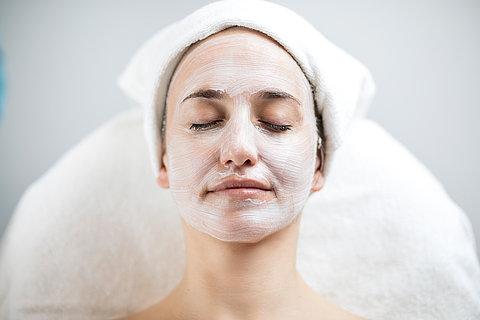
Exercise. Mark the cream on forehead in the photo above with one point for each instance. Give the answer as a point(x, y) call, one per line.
point(249, 61)
point(239, 63)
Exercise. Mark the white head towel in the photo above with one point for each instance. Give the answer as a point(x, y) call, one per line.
point(342, 86)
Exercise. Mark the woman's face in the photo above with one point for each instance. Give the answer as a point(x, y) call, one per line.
point(239, 106)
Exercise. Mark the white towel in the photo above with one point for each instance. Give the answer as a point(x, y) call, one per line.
point(95, 238)
point(343, 87)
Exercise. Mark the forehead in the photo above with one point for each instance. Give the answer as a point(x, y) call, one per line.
point(239, 61)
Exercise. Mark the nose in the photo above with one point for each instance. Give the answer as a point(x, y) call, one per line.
point(239, 157)
point(239, 146)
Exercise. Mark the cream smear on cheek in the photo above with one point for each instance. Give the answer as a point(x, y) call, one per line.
point(240, 145)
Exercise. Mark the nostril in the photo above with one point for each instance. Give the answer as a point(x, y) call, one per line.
point(239, 151)
point(229, 163)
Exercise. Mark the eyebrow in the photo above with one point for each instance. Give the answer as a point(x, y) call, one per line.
point(267, 94)
point(209, 94)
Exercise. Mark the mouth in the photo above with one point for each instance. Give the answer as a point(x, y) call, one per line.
point(242, 189)
point(243, 193)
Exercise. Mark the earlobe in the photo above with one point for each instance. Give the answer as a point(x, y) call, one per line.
point(318, 178)
point(318, 181)
point(162, 179)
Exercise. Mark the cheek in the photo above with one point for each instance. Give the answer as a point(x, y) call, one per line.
point(190, 160)
point(291, 162)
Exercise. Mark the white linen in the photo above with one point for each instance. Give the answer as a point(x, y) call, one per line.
point(96, 238)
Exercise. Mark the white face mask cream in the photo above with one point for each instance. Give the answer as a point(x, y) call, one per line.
point(239, 107)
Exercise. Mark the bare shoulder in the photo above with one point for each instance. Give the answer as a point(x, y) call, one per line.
point(155, 312)
point(314, 308)
point(329, 310)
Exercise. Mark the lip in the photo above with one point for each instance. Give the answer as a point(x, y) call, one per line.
point(242, 189)
point(231, 183)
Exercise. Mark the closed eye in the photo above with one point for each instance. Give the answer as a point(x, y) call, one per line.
point(202, 126)
point(271, 126)
point(277, 127)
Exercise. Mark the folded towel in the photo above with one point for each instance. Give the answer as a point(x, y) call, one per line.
point(343, 87)
point(95, 238)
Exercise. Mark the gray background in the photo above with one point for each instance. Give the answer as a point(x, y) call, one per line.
point(63, 58)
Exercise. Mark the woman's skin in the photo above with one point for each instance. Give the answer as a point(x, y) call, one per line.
point(245, 269)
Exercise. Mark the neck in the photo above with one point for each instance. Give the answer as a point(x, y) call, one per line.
point(241, 280)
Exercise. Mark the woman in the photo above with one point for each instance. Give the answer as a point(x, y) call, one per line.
point(242, 152)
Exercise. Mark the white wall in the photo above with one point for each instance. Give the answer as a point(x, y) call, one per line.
point(63, 57)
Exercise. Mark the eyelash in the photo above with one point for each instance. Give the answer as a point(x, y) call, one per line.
point(275, 127)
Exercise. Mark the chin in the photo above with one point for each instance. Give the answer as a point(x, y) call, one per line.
point(246, 234)
point(243, 239)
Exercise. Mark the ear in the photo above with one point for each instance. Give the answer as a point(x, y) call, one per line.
point(318, 179)
point(162, 179)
